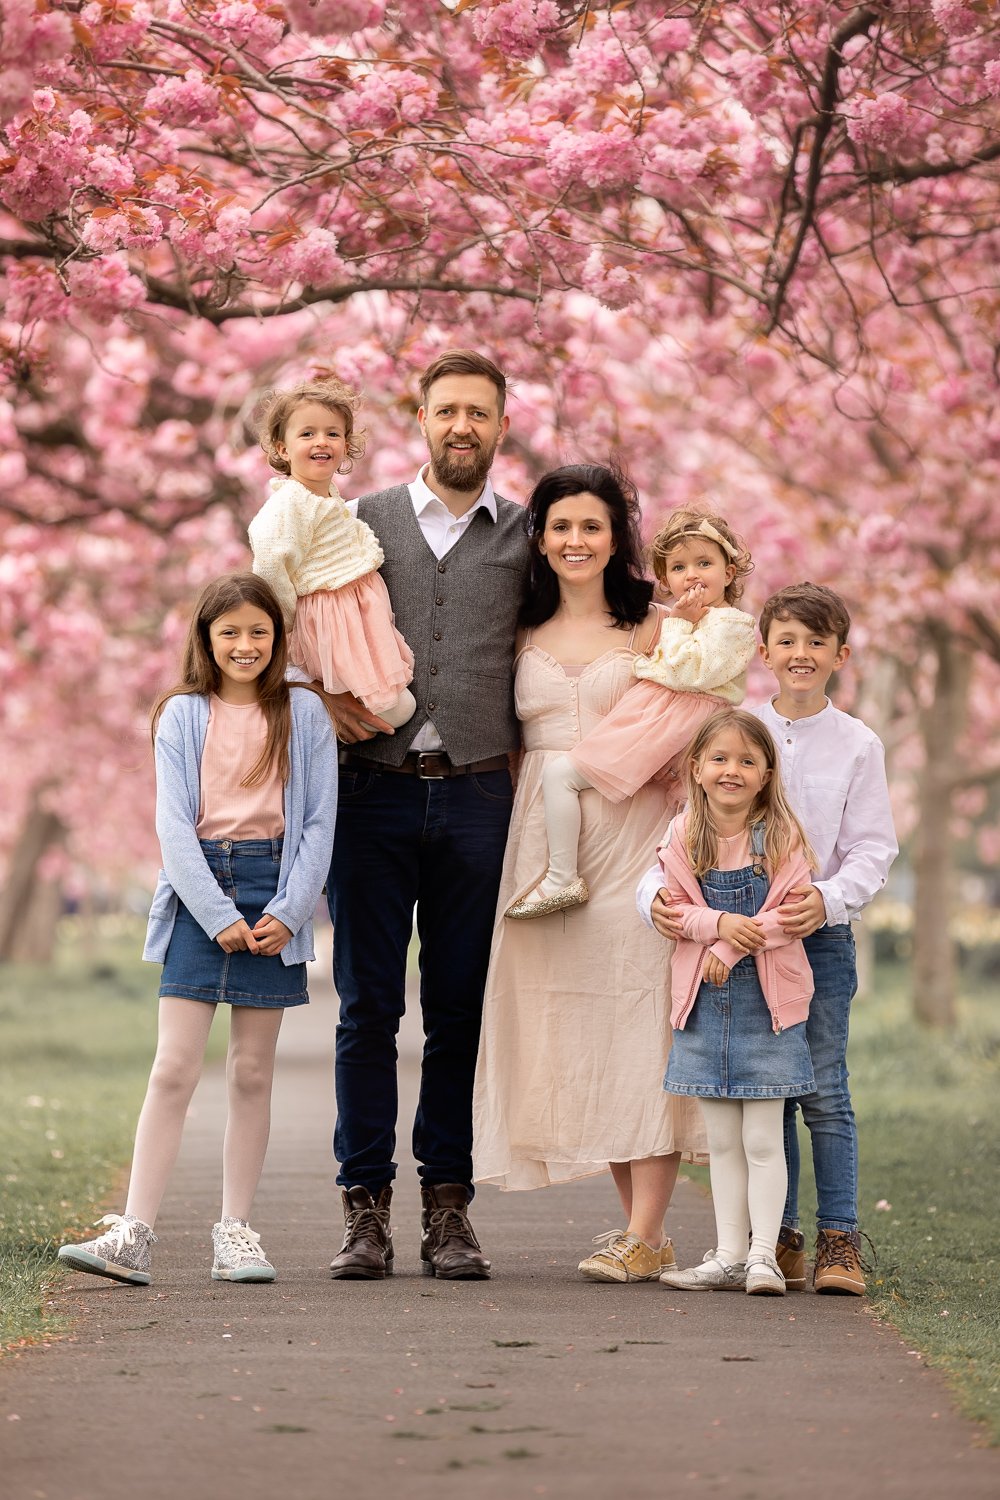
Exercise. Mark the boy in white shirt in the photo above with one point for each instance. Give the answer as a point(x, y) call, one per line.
point(833, 767)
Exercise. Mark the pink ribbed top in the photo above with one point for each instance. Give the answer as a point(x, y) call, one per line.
point(235, 738)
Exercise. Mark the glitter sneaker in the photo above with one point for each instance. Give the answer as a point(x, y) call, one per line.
point(712, 1275)
point(764, 1277)
point(122, 1253)
point(238, 1256)
point(625, 1257)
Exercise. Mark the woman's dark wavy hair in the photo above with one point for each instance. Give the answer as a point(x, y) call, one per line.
point(628, 593)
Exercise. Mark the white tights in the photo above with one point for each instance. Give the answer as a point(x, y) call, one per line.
point(180, 1051)
point(562, 784)
point(749, 1176)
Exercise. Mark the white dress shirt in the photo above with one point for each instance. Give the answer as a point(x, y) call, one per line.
point(440, 530)
point(833, 768)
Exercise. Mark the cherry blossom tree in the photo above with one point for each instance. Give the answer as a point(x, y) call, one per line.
point(750, 246)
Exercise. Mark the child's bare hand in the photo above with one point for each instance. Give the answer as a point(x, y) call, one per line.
point(715, 971)
point(802, 912)
point(689, 606)
point(742, 932)
point(271, 935)
point(237, 938)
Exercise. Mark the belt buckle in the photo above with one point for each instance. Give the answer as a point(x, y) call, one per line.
point(425, 756)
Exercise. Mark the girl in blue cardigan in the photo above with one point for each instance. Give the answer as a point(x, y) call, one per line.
point(245, 807)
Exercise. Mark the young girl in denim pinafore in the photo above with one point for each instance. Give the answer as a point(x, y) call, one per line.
point(245, 807)
point(740, 990)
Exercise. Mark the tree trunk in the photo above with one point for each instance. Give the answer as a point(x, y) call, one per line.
point(941, 722)
point(29, 905)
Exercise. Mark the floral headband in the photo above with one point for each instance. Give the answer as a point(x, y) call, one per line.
point(705, 528)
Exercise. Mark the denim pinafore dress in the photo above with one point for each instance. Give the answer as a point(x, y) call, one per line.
point(728, 1048)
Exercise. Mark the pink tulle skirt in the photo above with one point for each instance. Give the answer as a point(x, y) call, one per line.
point(642, 739)
point(347, 640)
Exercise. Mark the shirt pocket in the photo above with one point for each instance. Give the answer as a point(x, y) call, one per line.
point(824, 799)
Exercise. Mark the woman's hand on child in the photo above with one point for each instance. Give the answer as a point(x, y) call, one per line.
point(689, 606)
point(665, 917)
point(237, 938)
point(271, 935)
point(742, 932)
point(715, 971)
point(802, 912)
point(351, 720)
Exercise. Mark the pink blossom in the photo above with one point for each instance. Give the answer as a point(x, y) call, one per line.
point(313, 259)
point(43, 101)
point(595, 158)
point(333, 17)
point(246, 24)
point(130, 226)
point(517, 28)
point(109, 170)
point(105, 287)
point(881, 123)
point(614, 286)
point(954, 18)
point(219, 245)
point(673, 35)
point(755, 81)
point(33, 291)
point(991, 73)
point(185, 101)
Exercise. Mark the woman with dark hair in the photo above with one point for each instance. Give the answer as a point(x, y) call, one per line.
point(576, 1023)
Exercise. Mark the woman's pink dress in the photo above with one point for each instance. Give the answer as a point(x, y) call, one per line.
point(576, 1021)
point(346, 639)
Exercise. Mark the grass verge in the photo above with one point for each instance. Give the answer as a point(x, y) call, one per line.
point(78, 1039)
point(929, 1133)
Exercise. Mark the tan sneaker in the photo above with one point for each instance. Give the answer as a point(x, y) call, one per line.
point(625, 1257)
point(790, 1253)
point(839, 1267)
point(668, 1260)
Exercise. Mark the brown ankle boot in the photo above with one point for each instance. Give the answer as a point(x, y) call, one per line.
point(790, 1253)
point(448, 1245)
point(366, 1254)
point(839, 1267)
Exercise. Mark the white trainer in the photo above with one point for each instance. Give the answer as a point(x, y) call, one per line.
point(763, 1276)
point(238, 1256)
point(713, 1275)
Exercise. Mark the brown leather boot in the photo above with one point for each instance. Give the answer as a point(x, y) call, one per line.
point(448, 1245)
point(366, 1254)
point(839, 1267)
point(790, 1253)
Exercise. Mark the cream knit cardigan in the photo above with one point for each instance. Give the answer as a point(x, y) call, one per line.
point(303, 543)
point(710, 657)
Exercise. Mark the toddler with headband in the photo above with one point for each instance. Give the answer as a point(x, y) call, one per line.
point(697, 666)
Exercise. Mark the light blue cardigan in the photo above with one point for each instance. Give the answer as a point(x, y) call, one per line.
point(310, 814)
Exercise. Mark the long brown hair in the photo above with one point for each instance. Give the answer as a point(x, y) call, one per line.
point(200, 672)
point(783, 832)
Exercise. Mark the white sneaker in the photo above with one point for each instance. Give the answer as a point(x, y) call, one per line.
point(122, 1253)
point(763, 1276)
point(238, 1256)
point(713, 1275)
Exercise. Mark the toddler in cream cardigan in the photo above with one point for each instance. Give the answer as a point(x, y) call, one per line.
point(698, 665)
point(321, 561)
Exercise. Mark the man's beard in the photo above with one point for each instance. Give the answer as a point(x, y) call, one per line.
point(465, 472)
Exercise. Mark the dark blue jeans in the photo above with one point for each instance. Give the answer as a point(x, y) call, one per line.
point(828, 1113)
point(436, 845)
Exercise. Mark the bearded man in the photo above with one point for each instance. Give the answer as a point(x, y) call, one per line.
point(422, 822)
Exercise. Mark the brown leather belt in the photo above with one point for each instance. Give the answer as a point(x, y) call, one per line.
point(429, 765)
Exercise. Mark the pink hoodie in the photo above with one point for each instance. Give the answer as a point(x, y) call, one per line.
point(782, 966)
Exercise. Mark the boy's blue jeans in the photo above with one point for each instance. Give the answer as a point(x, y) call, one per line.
point(828, 1112)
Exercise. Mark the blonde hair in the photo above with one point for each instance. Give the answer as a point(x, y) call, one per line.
point(783, 833)
point(681, 526)
point(279, 406)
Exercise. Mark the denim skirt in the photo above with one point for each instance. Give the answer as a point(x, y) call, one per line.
point(196, 968)
point(728, 1049)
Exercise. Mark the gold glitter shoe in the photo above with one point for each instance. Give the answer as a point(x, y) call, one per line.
point(574, 894)
point(625, 1257)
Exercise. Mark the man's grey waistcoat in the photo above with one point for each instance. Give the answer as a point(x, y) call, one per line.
point(459, 617)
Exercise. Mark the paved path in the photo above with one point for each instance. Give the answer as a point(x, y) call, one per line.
point(535, 1383)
